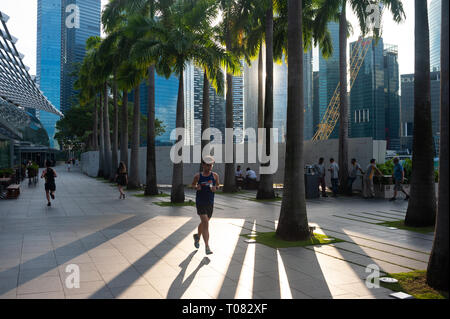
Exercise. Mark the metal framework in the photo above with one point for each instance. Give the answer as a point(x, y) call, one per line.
point(331, 116)
point(16, 85)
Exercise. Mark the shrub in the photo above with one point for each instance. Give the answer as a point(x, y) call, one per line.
point(6, 172)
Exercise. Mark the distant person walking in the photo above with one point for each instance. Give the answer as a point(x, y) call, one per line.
point(320, 170)
point(68, 165)
point(50, 187)
point(121, 178)
point(206, 183)
point(355, 168)
point(334, 171)
point(371, 170)
point(398, 176)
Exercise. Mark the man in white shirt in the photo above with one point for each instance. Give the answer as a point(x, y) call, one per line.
point(334, 170)
point(250, 179)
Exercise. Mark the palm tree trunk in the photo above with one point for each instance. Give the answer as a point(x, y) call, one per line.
point(265, 189)
point(260, 88)
point(229, 185)
point(293, 221)
point(177, 192)
point(437, 272)
point(343, 112)
point(152, 186)
point(115, 135)
point(205, 111)
point(95, 127)
point(124, 129)
point(101, 157)
point(422, 204)
point(133, 182)
point(107, 134)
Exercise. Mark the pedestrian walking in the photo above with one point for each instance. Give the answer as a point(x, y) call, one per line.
point(68, 165)
point(334, 171)
point(355, 169)
point(50, 187)
point(372, 169)
point(319, 168)
point(121, 178)
point(398, 176)
point(206, 183)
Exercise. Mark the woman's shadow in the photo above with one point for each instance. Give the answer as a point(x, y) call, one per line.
point(178, 286)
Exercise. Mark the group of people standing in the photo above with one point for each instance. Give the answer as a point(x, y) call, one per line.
point(355, 168)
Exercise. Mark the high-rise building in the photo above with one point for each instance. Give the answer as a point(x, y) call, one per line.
point(74, 33)
point(392, 97)
point(48, 56)
point(216, 107)
point(280, 72)
point(238, 104)
point(316, 108)
point(329, 75)
point(407, 110)
point(367, 97)
point(434, 20)
point(62, 29)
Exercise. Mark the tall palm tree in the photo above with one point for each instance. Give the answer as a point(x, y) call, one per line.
point(293, 221)
point(173, 42)
point(438, 265)
point(422, 204)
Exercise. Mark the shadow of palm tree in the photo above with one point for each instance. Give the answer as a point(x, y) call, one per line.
point(178, 286)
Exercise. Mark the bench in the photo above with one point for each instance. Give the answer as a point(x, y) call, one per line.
point(13, 191)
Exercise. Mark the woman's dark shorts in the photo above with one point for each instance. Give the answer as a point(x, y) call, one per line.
point(50, 187)
point(205, 210)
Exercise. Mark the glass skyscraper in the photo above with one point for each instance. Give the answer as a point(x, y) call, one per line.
point(392, 97)
point(48, 56)
point(73, 43)
point(367, 97)
point(62, 29)
point(329, 75)
point(434, 20)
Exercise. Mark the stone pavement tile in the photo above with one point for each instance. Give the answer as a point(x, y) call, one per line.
point(360, 289)
point(129, 277)
point(34, 273)
point(44, 295)
point(160, 269)
point(43, 261)
point(136, 292)
point(82, 258)
point(7, 284)
point(8, 294)
point(40, 284)
point(111, 268)
point(9, 272)
point(107, 252)
point(191, 292)
point(102, 294)
point(110, 260)
point(9, 262)
point(89, 287)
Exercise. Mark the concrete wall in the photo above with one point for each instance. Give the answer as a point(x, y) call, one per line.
point(363, 149)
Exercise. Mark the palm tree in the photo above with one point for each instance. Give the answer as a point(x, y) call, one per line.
point(422, 204)
point(293, 221)
point(170, 44)
point(437, 272)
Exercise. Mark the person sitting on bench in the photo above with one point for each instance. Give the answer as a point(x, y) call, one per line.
point(250, 178)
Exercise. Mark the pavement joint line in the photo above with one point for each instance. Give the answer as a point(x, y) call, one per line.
point(380, 215)
point(381, 220)
point(391, 214)
point(375, 258)
point(357, 220)
point(380, 242)
point(400, 211)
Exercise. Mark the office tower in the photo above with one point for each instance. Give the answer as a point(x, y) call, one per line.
point(62, 29)
point(367, 97)
point(216, 107)
point(407, 110)
point(329, 75)
point(434, 20)
point(48, 56)
point(74, 34)
point(392, 98)
point(238, 104)
point(280, 72)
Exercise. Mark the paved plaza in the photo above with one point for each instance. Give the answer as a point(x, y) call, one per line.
point(134, 248)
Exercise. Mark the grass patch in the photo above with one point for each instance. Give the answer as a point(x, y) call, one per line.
point(276, 199)
point(401, 225)
point(272, 240)
point(415, 284)
point(169, 204)
point(159, 195)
